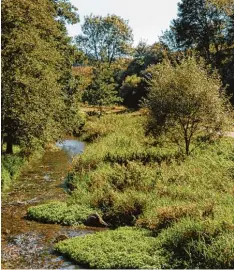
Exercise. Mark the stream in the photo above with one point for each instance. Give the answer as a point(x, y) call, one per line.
point(28, 244)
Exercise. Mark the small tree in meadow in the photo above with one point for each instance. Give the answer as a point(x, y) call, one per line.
point(186, 101)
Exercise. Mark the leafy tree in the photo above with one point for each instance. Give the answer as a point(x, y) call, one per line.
point(199, 25)
point(83, 77)
point(105, 39)
point(209, 31)
point(34, 48)
point(185, 102)
point(226, 5)
point(134, 85)
point(102, 91)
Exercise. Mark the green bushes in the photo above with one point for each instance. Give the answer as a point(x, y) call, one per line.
point(10, 169)
point(198, 244)
point(122, 248)
point(188, 244)
point(60, 212)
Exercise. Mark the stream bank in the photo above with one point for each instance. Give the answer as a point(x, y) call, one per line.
point(28, 244)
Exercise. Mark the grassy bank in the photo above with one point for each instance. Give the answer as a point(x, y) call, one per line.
point(11, 166)
point(182, 207)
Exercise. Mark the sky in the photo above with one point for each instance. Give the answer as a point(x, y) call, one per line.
point(147, 18)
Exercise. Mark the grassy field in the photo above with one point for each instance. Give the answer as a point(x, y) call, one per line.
point(176, 211)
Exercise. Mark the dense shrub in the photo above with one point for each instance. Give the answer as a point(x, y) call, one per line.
point(59, 212)
point(198, 244)
point(188, 244)
point(123, 248)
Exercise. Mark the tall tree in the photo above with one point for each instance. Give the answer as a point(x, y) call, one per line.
point(206, 29)
point(199, 25)
point(105, 38)
point(32, 61)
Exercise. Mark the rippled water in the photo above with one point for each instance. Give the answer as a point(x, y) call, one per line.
point(28, 244)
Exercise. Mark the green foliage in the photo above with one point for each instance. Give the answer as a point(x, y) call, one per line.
point(226, 5)
point(197, 244)
point(185, 101)
point(188, 244)
point(102, 91)
point(11, 166)
point(206, 34)
point(59, 212)
point(122, 248)
point(36, 66)
point(133, 79)
point(206, 26)
point(105, 39)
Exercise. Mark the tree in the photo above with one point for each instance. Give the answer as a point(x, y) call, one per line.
point(34, 46)
point(105, 39)
point(102, 91)
point(199, 25)
point(185, 102)
point(226, 5)
point(207, 30)
point(134, 85)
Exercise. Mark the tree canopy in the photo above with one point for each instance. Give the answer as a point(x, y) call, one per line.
point(105, 38)
point(34, 68)
point(207, 30)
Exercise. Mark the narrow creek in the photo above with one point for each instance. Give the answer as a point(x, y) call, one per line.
point(29, 244)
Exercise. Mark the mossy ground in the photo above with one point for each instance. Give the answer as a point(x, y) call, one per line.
point(185, 204)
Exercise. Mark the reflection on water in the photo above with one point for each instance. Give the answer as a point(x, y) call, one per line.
point(72, 147)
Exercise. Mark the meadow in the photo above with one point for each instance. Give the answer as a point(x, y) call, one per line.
point(163, 209)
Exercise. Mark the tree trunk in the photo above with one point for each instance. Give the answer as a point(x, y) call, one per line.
point(9, 148)
point(187, 143)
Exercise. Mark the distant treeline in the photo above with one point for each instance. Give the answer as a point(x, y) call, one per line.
point(41, 91)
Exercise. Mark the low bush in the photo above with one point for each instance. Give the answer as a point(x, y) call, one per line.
point(124, 248)
point(187, 244)
point(198, 244)
point(59, 212)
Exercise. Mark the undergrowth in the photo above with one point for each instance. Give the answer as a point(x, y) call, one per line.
point(11, 166)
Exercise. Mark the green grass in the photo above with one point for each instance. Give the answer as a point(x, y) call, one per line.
point(183, 204)
point(11, 166)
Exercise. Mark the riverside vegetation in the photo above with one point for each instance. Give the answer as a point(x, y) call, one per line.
point(160, 178)
point(177, 211)
point(11, 166)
